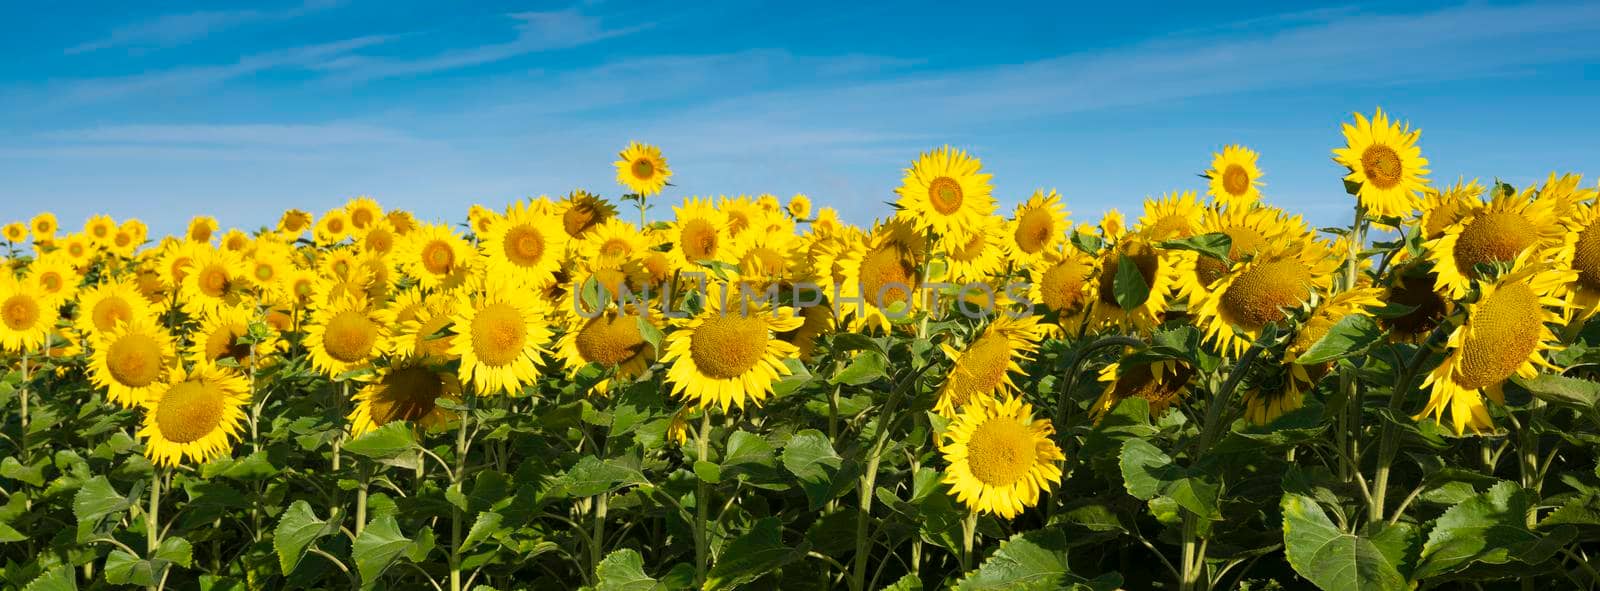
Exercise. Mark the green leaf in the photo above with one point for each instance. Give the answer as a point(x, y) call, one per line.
point(1580, 510)
point(388, 441)
point(821, 472)
point(59, 578)
point(296, 531)
point(377, 547)
point(176, 550)
point(909, 582)
point(865, 368)
point(1148, 473)
point(11, 468)
point(123, 568)
point(649, 332)
point(1491, 528)
point(1347, 338)
point(748, 456)
point(1332, 559)
point(1129, 287)
point(756, 553)
point(798, 377)
point(1035, 559)
point(1575, 393)
point(486, 525)
point(253, 467)
point(623, 570)
point(97, 499)
point(708, 471)
point(591, 476)
point(1088, 243)
point(1216, 245)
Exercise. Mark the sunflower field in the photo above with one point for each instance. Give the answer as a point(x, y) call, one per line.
point(644, 394)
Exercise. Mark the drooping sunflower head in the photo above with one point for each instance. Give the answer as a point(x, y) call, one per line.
point(332, 228)
point(1385, 162)
point(945, 192)
point(1159, 383)
point(728, 354)
point(405, 392)
point(363, 212)
point(1235, 179)
point(99, 228)
point(1279, 392)
point(818, 321)
point(698, 233)
point(44, 227)
point(983, 369)
point(526, 247)
point(104, 306)
point(1505, 335)
point(1442, 209)
point(500, 335)
point(1176, 215)
point(194, 416)
point(1261, 291)
point(435, 255)
point(346, 334)
point(1494, 233)
point(1412, 287)
point(1000, 458)
point(131, 360)
point(1157, 271)
point(642, 169)
point(26, 316)
point(1037, 227)
point(581, 211)
point(799, 207)
point(611, 339)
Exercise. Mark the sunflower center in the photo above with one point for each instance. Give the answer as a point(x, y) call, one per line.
point(134, 360)
point(122, 240)
point(985, 361)
point(1235, 180)
point(524, 245)
point(615, 248)
point(406, 395)
point(498, 334)
point(610, 339)
point(20, 311)
point(51, 281)
point(109, 311)
point(643, 169)
point(336, 225)
point(1061, 286)
point(361, 218)
point(380, 240)
point(438, 257)
point(76, 250)
point(1586, 258)
point(1001, 451)
point(224, 342)
point(1142, 256)
point(886, 276)
point(1494, 237)
point(189, 411)
point(1035, 229)
point(698, 240)
point(213, 281)
point(349, 336)
point(945, 195)
point(726, 346)
point(1382, 165)
point(1159, 390)
point(1502, 334)
point(1172, 226)
point(264, 271)
point(1259, 295)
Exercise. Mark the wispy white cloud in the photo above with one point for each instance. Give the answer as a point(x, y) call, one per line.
point(245, 135)
point(176, 29)
point(190, 78)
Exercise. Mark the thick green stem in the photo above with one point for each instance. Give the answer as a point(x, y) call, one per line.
point(152, 524)
point(456, 477)
point(869, 478)
point(361, 496)
point(1192, 575)
point(969, 530)
point(702, 491)
point(1389, 438)
point(598, 539)
point(23, 394)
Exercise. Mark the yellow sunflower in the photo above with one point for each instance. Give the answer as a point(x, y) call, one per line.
point(642, 169)
point(879, 276)
point(79, 249)
point(581, 211)
point(53, 276)
point(195, 416)
point(481, 219)
point(15, 232)
point(698, 233)
point(613, 243)
point(1385, 161)
point(728, 354)
point(1493, 233)
point(1269, 404)
point(612, 340)
point(1442, 209)
point(799, 207)
point(293, 223)
point(347, 334)
point(402, 221)
point(363, 212)
point(379, 238)
point(818, 321)
point(1157, 267)
point(1112, 225)
point(99, 228)
point(435, 256)
point(499, 337)
point(983, 370)
point(1265, 402)
point(102, 307)
point(44, 227)
point(1249, 230)
point(26, 316)
point(741, 214)
point(1159, 383)
point(420, 321)
point(980, 255)
point(332, 228)
point(1177, 215)
point(234, 240)
point(1505, 335)
point(406, 392)
point(131, 360)
point(124, 242)
point(212, 281)
point(1235, 180)
point(1584, 224)
point(174, 261)
point(1000, 458)
point(1564, 195)
point(267, 266)
point(1060, 281)
point(526, 247)
point(219, 336)
point(1037, 227)
point(945, 192)
point(1263, 290)
point(201, 227)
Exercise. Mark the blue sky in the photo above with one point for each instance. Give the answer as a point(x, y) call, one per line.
point(165, 109)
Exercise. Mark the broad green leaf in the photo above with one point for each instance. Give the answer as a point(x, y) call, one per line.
point(176, 550)
point(623, 570)
point(592, 476)
point(388, 441)
point(11, 468)
point(1331, 559)
point(821, 472)
point(1129, 287)
point(1147, 473)
point(123, 568)
point(1491, 528)
point(798, 377)
point(60, 578)
point(865, 368)
point(1575, 393)
point(1582, 509)
point(1348, 337)
point(650, 333)
point(749, 556)
point(748, 456)
point(1088, 243)
point(377, 547)
point(96, 499)
point(297, 530)
point(1215, 245)
point(909, 582)
point(1033, 560)
point(253, 467)
point(487, 524)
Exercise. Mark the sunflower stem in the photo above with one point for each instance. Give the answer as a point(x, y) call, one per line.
point(969, 530)
point(869, 478)
point(23, 394)
point(456, 477)
point(702, 446)
point(152, 524)
point(597, 540)
point(1389, 438)
point(361, 496)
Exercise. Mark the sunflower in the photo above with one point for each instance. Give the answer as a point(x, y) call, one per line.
point(818, 321)
point(123, 242)
point(332, 228)
point(54, 278)
point(1037, 227)
point(44, 227)
point(977, 256)
point(1000, 457)
point(363, 212)
point(642, 169)
point(194, 416)
point(15, 232)
point(499, 337)
point(1385, 161)
point(698, 233)
point(234, 240)
point(1061, 281)
point(212, 281)
point(266, 267)
point(402, 221)
point(345, 335)
point(174, 261)
point(1272, 398)
point(1273, 402)
point(481, 219)
point(79, 249)
point(219, 336)
point(741, 213)
point(131, 360)
point(880, 276)
point(1112, 225)
point(799, 207)
point(727, 354)
point(26, 317)
point(379, 238)
point(1564, 195)
point(1504, 336)
point(200, 229)
point(1157, 267)
point(293, 223)
point(1177, 215)
point(405, 392)
point(1261, 291)
point(827, 222)
point(1584, 225)
point(135, 229)
point(1159, 383)
point(526, 247)
point(99, 228)
point(1413, 287)
point(613, 243)
point(1442, 209)
point(1249, 230)
point(582, 211)
point(612, 340)
point(945, 192)
point(1494, 233)
point(1235, 180)
point(102, 307)
point(983, 370)
point(435, 256)
point(420, 321)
